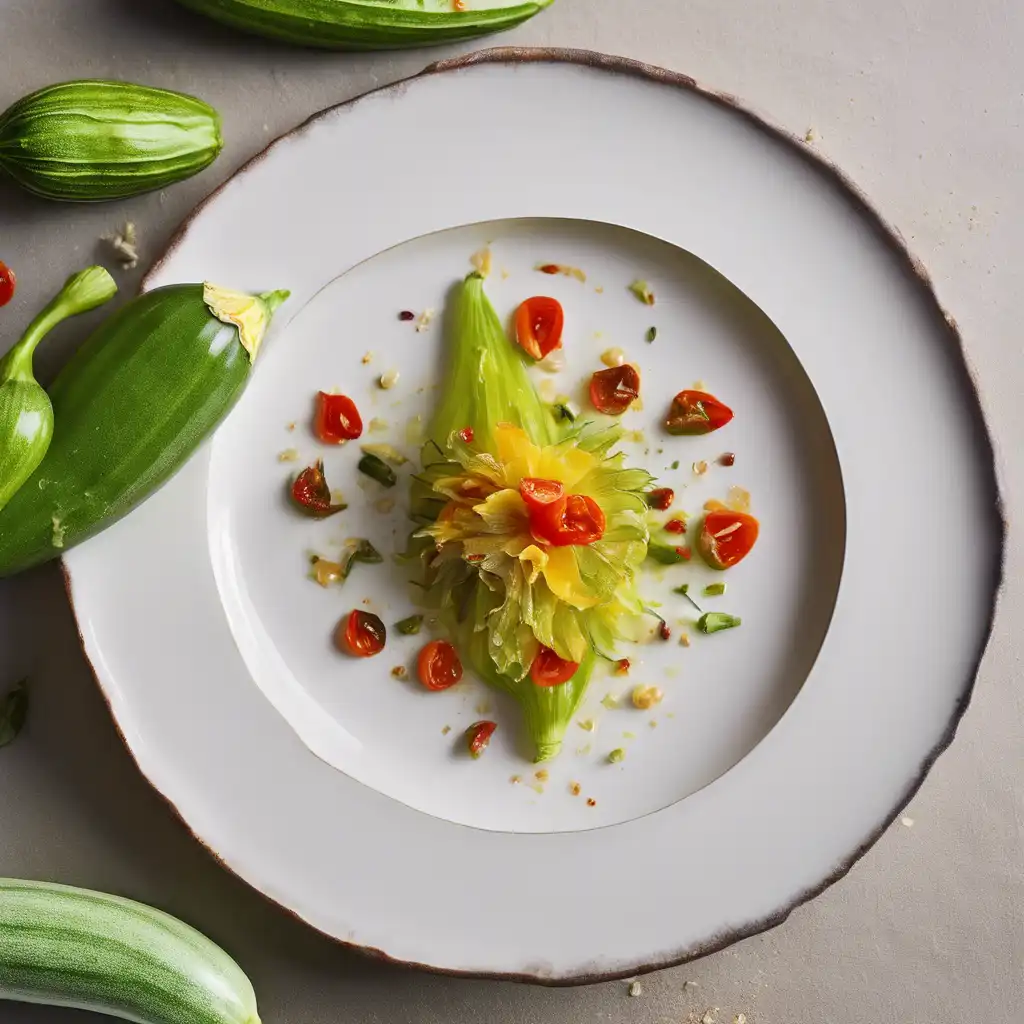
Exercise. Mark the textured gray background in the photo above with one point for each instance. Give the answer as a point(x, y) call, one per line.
point(921, 101)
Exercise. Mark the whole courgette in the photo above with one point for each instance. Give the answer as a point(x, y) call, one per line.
point(72, 947)
point(91, 141)
point(130, 408)
point(369, 24)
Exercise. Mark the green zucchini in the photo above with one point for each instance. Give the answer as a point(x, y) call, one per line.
point(92, 141)
point(129, 409)
point(72, 947)
point(368, 24)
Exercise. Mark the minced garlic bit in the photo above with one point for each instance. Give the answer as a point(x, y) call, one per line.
point(740, 1018)
point(617, 756)
point(290, 428)
point(326, 572)
point(400, 672)
point(599, 289)
point(423, 320)
point(738, 499)
point(386, 381)
point(610, 701)
point(699, 385)
point(809, 135)
point(613, 357)
point(629, 735)
point(907, 822)
point(575, 788)
point(583, 751)
point(653, 723)
point(447, 729)
point(377, 425)
point(124, 243)
point(481, 261)
point(700, 468)
point(684, 639)
point(646, 697)
point(367, 357)
point(542, 776)
point(385, 505)
point(591, 802)
point(587, 725)
point(553, 362)
point(288, 455)
point(635, 988)
point(710, 1016)
point(642, 290)
point(515, 779)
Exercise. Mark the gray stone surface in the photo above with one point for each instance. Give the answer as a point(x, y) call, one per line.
point(922, 104)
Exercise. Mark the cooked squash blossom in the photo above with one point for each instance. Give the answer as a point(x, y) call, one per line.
point(531, 536)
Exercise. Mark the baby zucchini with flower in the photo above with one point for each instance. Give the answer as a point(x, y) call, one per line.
point(130, 408)
point(26, 414)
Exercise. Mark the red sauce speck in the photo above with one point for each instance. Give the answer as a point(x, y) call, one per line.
point(591, 802)
point(727, 459)
point(622, 666)
point(8, 282)
point(550, 268)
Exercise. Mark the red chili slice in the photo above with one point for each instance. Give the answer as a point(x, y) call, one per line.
point(8, 282)
point(537, 492)
point(661, 498)
point(614, 390)
point(337, 419)
point(478, 736)
point(362, 634)
point(312, 495)
point(539, 323)
point(548, 669)
point(696, 412)
point(572, 519)
point(439, 666)
point(727, 537)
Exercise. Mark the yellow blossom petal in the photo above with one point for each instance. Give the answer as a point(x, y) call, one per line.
point(536, 559)
point(563, 577)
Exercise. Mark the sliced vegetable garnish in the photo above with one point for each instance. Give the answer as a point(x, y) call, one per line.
point(642, 290)
point(410, 626)
point(660, 498)
point(337, 419)
point(439, 666)
point(8, 283)
point(614, 390)
point(537, 493)
point(379, 470)
point(478, 736)
point(617, 756)
point(715, 622)
point(668, 554)
point(714, 590)
point(696, 412)
point(652, 333)
point(727, 537)
point(387, 452)
point(362, 634)
point(539, 323)
point(311, 495)
point(572, 519)
point(548, 669)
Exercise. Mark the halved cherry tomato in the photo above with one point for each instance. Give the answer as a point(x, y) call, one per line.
point(660, 498)
point(548, 669)
point(478, 736)
point(439, 666)
point(726, 537)
point(337, 419)
point(467, 434)
point(8, 282)
point(614, 390)
point(537, 492)
point(572, 519)
point(696, 412)
point(362, 634)
point(312, 495)
point(539, 323)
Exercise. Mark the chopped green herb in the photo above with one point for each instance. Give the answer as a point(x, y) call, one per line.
point(666, 554)
point(714, 622)
point(714, 590)
point(13, 709)
point(378, 469)
point(684, 589)
point(410, 626)
point(652, 333)
point(617, 755)
point(675, 465)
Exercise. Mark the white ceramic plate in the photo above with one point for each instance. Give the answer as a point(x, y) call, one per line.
point(781, 749)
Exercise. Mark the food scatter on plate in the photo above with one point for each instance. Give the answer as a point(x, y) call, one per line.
point(537, 547)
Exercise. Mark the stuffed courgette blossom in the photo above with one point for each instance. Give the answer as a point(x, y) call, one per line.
point(531, 534)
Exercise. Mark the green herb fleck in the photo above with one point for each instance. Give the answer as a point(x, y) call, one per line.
point(616, 756)
point(684, 589)
point(675, 465)
point(643, 292)
point(665, 553)
point(714, 590)
point(714, 622)
point(652, 333)
point(13, 709)
point(377, 469)
point(410, 626)
point(565, 411)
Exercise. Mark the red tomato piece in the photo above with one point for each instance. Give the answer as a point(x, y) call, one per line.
point(661, 498)
point(548, 669)
point(614, 390)
point(467, 434)
point(8, 282)
point(572, 519)
point(726, 537)
point(537, 492)
point(362, 634)
point(337, 419)
point(676, 526)
point(312, 495)
point(478, 736)
point(439, 666)
point(539, 323)
point(696, 412)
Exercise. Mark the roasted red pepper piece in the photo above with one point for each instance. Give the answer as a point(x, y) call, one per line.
point(311, 494)
point(337, 419)
point(696, 412)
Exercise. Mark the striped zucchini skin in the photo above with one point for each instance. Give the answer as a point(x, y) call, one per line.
point(72, 947)
point(129, 409)
point(365, 24)
point(92, 141)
